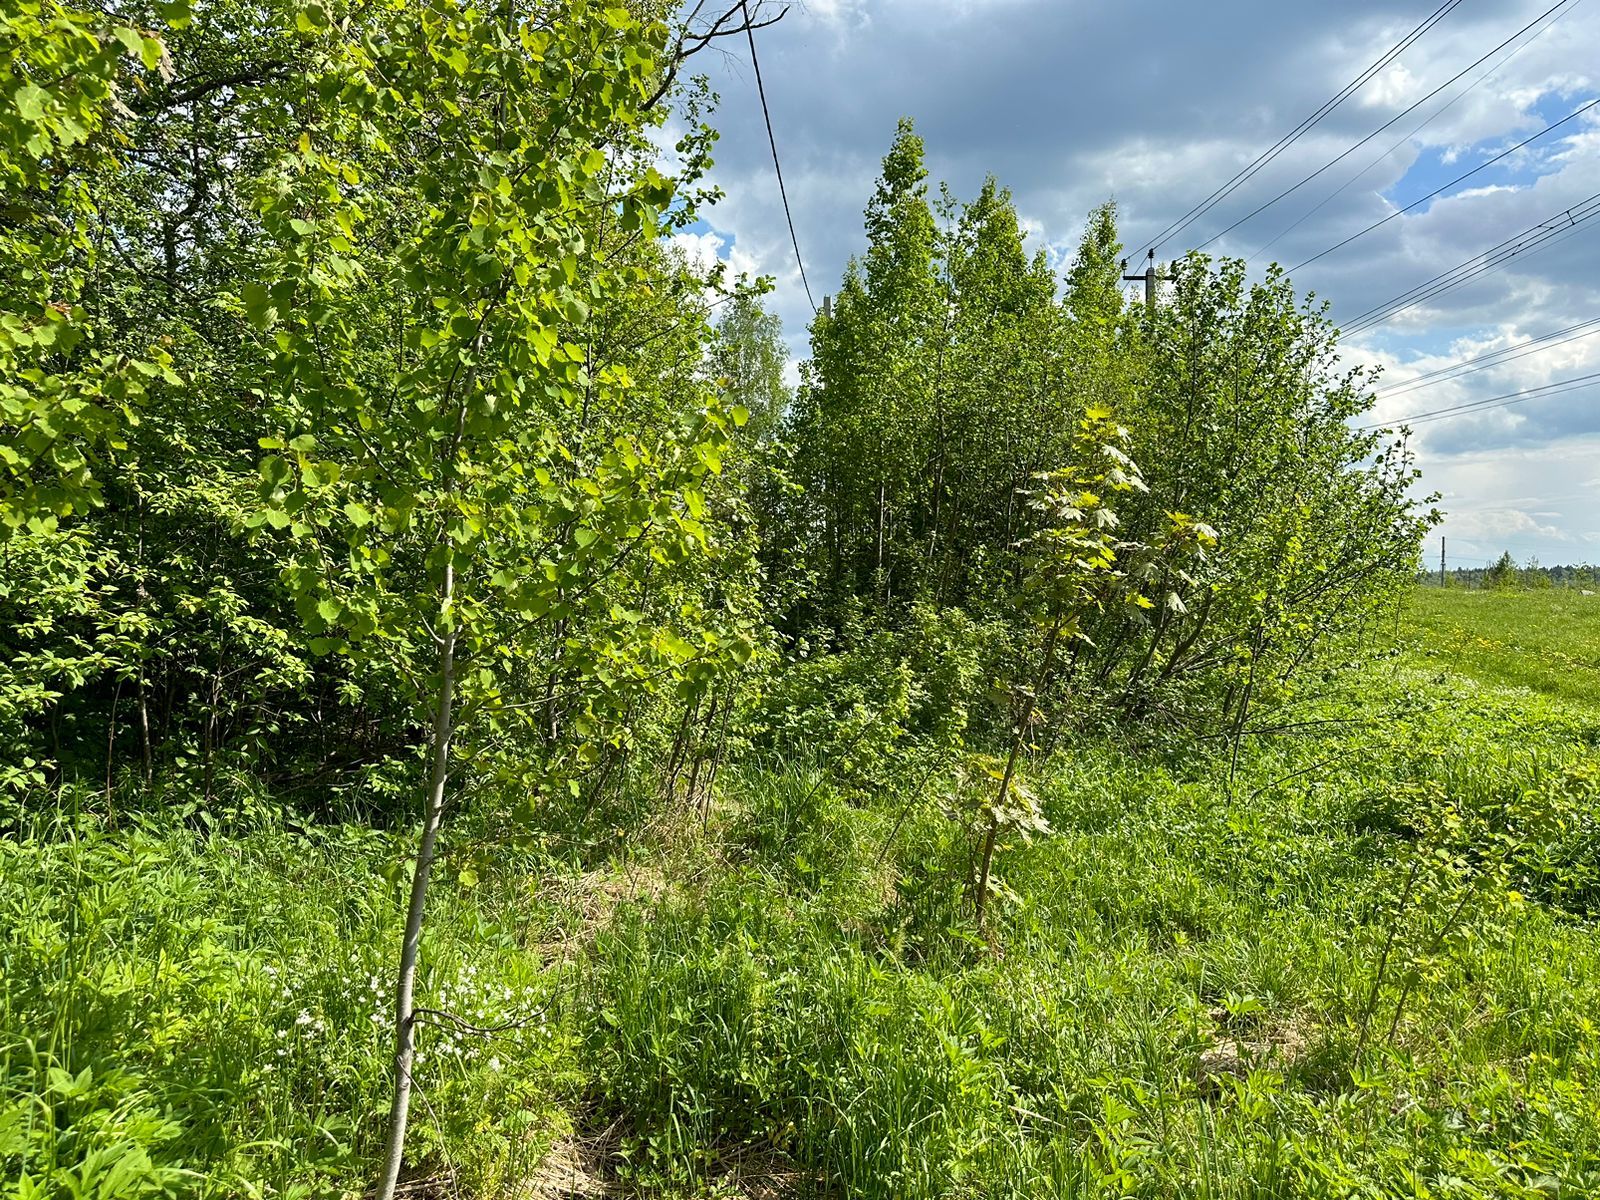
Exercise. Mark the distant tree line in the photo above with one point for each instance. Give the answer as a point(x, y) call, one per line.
point(1505, 572)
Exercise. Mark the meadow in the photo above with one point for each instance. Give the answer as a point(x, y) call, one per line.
point(1361, 962)
point(1548, 643)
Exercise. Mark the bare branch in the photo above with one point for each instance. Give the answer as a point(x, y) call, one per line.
point(690, 42)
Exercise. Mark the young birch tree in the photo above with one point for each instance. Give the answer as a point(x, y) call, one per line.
point(433, 462)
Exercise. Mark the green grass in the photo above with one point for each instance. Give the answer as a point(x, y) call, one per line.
point(217, 1008)
point(1175, 1002)
point(1547, 641)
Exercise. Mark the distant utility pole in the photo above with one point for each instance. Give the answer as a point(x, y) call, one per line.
point(1149, 278)
point(1441, 561)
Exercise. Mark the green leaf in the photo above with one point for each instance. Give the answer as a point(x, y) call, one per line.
point(257, 305)
point(29, 101)
point(175, 12)
point(276, 471)
point(131, 40)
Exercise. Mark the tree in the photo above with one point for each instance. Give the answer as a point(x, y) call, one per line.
point(62, 396)
point(1093, 296)
point(1079, 567)
point(1503, 573)
point(748, 358)
point(440, 467)
point(1243, 417)
point(951, 372)
point(937, 388)
point(871, 393)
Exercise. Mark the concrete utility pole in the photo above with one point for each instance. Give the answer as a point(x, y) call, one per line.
point(1441, 561)
point(1149, 278)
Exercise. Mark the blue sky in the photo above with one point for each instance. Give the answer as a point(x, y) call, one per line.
point(1154, 104)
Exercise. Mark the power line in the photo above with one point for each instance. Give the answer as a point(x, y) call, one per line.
point(1423, 124)
point(1545, 240)
point(1399, 212)
point(1503, 355)
point(1533, 249)
point(1288, 139)
point(1555, 228)
point(1577, 383)
point(772, 141)
point(1391, 121)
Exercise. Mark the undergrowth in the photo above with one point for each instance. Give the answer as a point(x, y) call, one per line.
point(1363, 963)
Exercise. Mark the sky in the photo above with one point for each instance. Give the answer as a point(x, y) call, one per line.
point(1155, 104)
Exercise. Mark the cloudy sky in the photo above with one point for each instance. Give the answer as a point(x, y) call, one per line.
point(1156, 104)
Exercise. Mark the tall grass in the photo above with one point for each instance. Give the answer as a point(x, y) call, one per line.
point(208, 1015)
point(1173, 1001)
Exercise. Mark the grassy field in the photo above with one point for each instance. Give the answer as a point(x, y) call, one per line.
point(1546, 641)
point(1363, 964)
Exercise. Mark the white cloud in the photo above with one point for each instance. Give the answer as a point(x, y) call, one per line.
point(705, 249)
point(1393, 87)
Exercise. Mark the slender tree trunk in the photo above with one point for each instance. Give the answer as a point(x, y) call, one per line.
point(697, 760)
point(721, 742)
point(208, 756)
point(144, 728)
point(881, 499)
point(1186, 642)
point(680, 747)
point(1244, 710)
point(144, 699)
point(1383, 958)
point(405, 1017)
point(981, 901)
point(111, 742)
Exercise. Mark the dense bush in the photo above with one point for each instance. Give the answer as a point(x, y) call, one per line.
point(950, 374)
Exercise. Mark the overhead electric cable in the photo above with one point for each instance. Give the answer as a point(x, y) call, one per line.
point(1555, 228)
point(1391, 121)
point(1500, 357)
point(772, 141)
point(1425, 122)
point(1288, 139)
point(1400, 212)
point(1577, 383)
point(1528, 249)
point(1439, 286)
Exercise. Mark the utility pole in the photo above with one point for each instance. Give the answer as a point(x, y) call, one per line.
point(1149, 278)
point(1441, 561)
